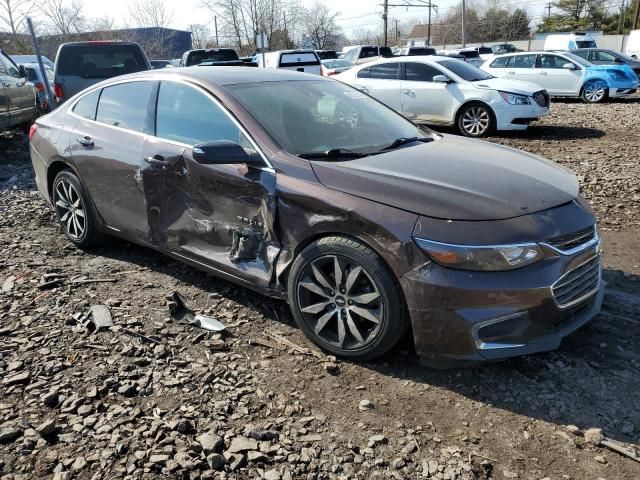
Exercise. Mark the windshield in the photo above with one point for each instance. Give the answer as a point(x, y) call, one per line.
point(196, 58)
point(578, 59)
point(317, 116)
point(464, 70)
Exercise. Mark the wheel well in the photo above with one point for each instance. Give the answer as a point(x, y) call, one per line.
point(54, 169)
point(467, 103)
point(593, 80)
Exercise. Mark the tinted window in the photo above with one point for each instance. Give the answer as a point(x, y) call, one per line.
point(524, 61)
point(500, 62)
point(367, 52)
point(582, 53)
point(552, 61)
point(364, 73)
point(125, 105)
point(386, 71)
point(298, 59)
point(225, 55)
point(386, 52)
point(32, 75)
point(86, 106)
point(100, 60)
point(421, 51)
point(484, 50)
point(464, 70)
point(420, 72)
point(187, 115)
point(327, 54)
point(601, 56)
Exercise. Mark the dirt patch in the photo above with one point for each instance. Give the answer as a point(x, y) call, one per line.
point(151, 397)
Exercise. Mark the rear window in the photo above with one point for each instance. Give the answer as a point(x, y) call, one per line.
point(484, 50)
point(100, 60)
point(586, 44)
point(196, 58)
point(386, 52)
point(368, 52)
point(470, 54)
point(327, 55)
point(298, 59)
point(422, 51)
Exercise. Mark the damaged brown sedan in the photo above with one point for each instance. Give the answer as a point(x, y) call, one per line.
point(305, 189)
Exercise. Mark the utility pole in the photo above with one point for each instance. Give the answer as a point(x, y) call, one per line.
point(548, 9)
point(429, 26)
point(636, 17)
point(620, 20)
point(428, 4)
point(215, 26)
point(397, 34)
point(286, 33)
point(385, 14)
point(464, 36)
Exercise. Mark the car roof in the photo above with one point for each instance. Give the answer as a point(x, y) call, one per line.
point(220, 76)
point(98, 42)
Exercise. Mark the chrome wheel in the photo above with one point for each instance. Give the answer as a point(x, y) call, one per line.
point(595, 91)
point(340, 302)
point(71, 210)
point(476, 121)
point(347, 115)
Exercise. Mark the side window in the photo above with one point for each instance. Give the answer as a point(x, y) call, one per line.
point(583, 54)
point(420, 72)
point(364, 73)
point(367, 52)
point(385, 71)
point(524, 61)
point(603, 57)
point(125, 105)
point(87, 105)
point(351, 55)
point(552, 61)
point(10, 68)
point(189, 116)
point(500, 62)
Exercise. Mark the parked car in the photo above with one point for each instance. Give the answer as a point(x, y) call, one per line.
point(158, 64)
point(485, 53)
point(564, 74)
point(446, 91)
point(82, 64)
point(368, 225)
point(632, 47)
point(24, 59)
point(299, 60)
point(415, 51)
point(333, 67)
point(327, 54)
point(603, 56)
point(360, 54)
point(470, 55)
point(569, 41)
point(226, 57)
point(32, 71)
point(17, 95)
point(502, 48)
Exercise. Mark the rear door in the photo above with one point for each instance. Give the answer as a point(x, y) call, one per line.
point(422, 99)
point(381, 81)
point(107, 148)
point(556, 79)
point(219, 215)
point(523, 67)
point(20, 93)
point(600, 57)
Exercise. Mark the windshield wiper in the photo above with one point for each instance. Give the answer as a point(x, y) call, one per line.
point(398, 142)
point(333, 153)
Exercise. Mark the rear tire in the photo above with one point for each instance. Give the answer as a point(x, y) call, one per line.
point(346, 300)
point(476, 120)
point(595, 91)
point(74, 210)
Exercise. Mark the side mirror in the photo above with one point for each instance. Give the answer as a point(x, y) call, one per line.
point(441, 79)
point(569, 66)
point(220, 152)
point(22, 71)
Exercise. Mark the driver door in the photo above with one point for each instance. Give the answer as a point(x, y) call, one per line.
point(556, 79)
point(219, 215)
point(381, 81)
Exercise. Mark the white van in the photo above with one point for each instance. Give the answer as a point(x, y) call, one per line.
point(300, 60)
point(569, 41)
point(633, 44)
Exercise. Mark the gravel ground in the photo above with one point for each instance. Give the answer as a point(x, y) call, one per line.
point(151, 397)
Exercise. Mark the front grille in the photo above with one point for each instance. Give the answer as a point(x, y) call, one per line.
point(578, 285)
point(541, 98)
point(573, 240)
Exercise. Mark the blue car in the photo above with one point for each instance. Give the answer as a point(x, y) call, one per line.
point(564, 74)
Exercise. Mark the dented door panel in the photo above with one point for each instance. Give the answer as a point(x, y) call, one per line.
point(220, 215)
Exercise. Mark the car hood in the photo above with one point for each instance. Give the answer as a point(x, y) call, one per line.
point(506, 85)
point(454, 178)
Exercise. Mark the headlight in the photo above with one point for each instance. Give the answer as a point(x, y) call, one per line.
point(488, 258)
point(515, 99)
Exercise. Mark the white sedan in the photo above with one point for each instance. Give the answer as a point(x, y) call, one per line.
point(446, 91)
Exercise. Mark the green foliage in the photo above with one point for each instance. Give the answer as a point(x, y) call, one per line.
point(581, 15)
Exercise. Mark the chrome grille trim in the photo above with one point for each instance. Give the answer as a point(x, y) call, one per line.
point(578, 285)
point(574, 242)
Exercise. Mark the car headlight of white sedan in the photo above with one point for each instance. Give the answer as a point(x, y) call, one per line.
point(515, 99)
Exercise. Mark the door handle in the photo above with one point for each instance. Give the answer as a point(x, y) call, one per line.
point(511, 73)
point(157, 160)
point(85, 141)
point(543, 73)
point(409, 92)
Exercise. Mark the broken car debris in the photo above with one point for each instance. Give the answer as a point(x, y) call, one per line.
point(181, 313)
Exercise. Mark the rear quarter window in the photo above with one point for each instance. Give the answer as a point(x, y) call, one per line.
point(500, 62)
point(87, 105)
point(100, 60)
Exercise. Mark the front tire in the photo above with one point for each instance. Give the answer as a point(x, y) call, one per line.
point(74, 210)
point(345, 299)
point(594, 91)
point(476, 120)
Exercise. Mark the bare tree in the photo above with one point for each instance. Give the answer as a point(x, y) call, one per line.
point(150, 13)
point(14, 12)
point(321, 28)
point(64, 17)
point(200, 36)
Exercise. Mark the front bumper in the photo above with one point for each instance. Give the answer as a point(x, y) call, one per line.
point(621, 92)
point(477, 316)
point(510, 117)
